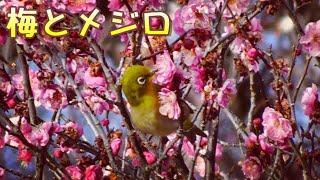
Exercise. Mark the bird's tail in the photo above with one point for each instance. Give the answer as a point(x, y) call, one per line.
point(190, 130)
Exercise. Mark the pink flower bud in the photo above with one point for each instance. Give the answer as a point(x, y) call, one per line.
point(25, 155)
point(253, 53)
point(11, 103)
point(188, 44)
point(257, 122)
point(150, 157)
point(155, 23)
point(297, 52)
point(105, 122)
point(204, 142)
point(58, 153)
point(115, 146)
point(291, 86)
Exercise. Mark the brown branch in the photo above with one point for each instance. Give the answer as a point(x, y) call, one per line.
point(21, 175)
point(306, 67)
point(293, 17)
point(27, 87)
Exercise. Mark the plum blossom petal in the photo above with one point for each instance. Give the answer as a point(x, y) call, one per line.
point(309, 97)
point(115, 146)
point(95, 102)
point(51, 127)
point(276, 127)
point(228, 89)
point(114, 5)
point(195, 15)
point(92, 80)
point(74, 172)
point(79, 6)
point(311, 40)
point(252, 168)
point(53, 98)
point(165, 69)
point(169, 104)
point(74, 130)
point(93, 172)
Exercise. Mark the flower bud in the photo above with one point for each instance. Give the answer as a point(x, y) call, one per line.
point(188, 44)
point(58, 153)
point(297, 51)
point(253, 53)
point(11, 103)
point(155, 23)
point(257, 122)
point(105, 122)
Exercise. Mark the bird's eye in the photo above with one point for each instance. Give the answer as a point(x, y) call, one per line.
point(141, 80)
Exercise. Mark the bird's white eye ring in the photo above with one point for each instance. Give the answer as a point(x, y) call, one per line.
point(141, 80)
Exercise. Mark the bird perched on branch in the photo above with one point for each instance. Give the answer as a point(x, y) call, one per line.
point(142, 95)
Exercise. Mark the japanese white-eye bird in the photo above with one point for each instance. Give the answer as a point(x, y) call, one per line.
point(142, 95)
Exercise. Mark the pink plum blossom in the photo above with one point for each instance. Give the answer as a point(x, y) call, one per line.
point(13, 141)
point(51, 127)
point(309, 97)
point(115, 146)
point(7, 4)
point(237, 7)
point(17, 82)
point(195, 15)
point(114, 5)
point(97, 33)
point(252, 168)
point(58, 4)
point(169, 104)
point(53, 98)
point(249, 59)
point(276, 127)
point(311, 40)
point(228, 89)
point(38, 137)
point(240, 43)
point(191, 57)
point(165, 69)
point(92, 80)
point(75, 127)
point(96, 103)
point(79, 6)
point(265, 146)
point(8, 89)
point(74, 172)
point(93, 172)
point(261, 140)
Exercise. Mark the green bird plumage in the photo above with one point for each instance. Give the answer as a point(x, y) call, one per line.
point(142, 95)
